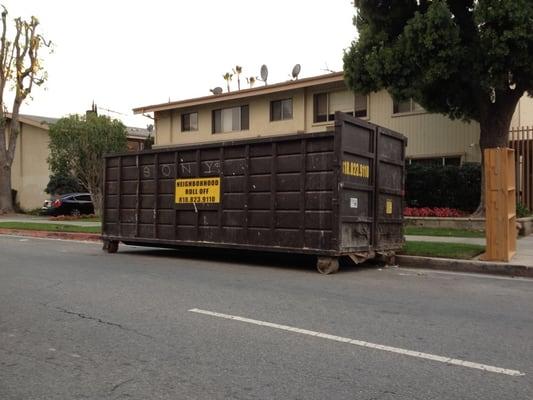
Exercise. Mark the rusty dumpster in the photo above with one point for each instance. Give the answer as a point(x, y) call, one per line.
point(330, 194)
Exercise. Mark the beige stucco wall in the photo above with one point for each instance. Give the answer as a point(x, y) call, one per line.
point(523, 115)
point(429, 135)
point(168, 123)
point(30, 172)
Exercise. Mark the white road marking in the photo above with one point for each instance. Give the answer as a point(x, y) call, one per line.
point(361, 343)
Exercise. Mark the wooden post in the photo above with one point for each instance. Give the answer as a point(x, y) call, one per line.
point(500, 204)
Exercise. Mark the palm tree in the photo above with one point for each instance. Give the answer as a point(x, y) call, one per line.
point(227, 77)
point(251, 81)
point(237, 71)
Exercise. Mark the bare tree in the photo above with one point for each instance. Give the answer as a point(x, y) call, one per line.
point(19, 65)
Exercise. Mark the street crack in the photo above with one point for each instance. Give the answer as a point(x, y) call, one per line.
point(101, 321)
point(121, 384)
point(53, 285)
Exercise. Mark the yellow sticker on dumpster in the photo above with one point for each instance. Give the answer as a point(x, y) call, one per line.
point(198, 190)
point(388, 206)
point(356, 169)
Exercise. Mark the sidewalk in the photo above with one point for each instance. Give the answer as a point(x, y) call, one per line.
point(520, 265)
point(524, 251)
point(44, 220)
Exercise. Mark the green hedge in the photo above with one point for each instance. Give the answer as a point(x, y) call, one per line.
point(63, 183)
point(437, 186)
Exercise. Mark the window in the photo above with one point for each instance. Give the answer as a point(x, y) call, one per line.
point(321, 107)
point(406, 106)
point(360, 106)
point(230, 119)
point(83, 197)
point(325, 105)
point(189, 122)
point(436, 161)
point(280, 109)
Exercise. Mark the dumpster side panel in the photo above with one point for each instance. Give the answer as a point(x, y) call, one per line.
point(269, 194)
point(329, 193)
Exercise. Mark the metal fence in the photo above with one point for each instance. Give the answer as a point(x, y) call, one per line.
point(521, 140)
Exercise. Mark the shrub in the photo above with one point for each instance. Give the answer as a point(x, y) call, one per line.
point(522, 210)
point(63, 183)
point(456, 187)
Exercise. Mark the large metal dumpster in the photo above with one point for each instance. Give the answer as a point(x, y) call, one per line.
point(331, 194)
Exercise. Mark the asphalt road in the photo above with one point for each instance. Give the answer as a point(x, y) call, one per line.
point(76, 323)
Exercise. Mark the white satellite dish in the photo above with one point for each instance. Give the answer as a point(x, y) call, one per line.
point(217, 90)
point(296, 71)
point(264, 73)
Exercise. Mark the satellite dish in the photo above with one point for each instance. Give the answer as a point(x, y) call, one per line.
point(217, 90)
point(296, 71)
point(264, 73)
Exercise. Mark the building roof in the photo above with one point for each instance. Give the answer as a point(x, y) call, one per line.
point(37, 120)
point(141, 133)
point(334, 77)
point(43, 122)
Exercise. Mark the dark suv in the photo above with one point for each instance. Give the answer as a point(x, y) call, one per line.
point(69, 204)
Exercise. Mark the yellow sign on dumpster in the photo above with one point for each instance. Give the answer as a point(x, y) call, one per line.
point(198, 190)
point(388, 206)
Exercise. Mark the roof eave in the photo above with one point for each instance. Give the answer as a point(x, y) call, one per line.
point(28, 121)
point(245, 93)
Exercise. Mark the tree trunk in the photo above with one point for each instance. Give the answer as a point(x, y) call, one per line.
point(6, 200)
point(495, 123)
point(97, 202)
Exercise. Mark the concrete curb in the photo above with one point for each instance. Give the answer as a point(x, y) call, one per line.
point(484, 267)
point(91, 237)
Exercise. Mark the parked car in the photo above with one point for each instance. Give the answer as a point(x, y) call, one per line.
point(69, 204)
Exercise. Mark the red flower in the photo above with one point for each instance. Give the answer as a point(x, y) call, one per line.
point(441, 212)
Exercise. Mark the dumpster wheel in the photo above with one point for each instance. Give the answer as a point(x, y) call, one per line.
point(110, 246)
point(327, 265)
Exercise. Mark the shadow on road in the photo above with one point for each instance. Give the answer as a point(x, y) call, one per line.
point(246, 258)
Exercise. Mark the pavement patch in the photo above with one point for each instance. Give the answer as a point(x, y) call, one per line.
point(361, 343)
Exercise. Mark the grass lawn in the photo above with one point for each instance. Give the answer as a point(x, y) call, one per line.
point(421, 231)
point(442, 250)
point(74, 219)
point(34, 226)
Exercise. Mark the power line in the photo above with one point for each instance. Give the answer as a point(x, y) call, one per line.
point(113, 111)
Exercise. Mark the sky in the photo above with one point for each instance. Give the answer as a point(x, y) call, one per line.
point(126, 54)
